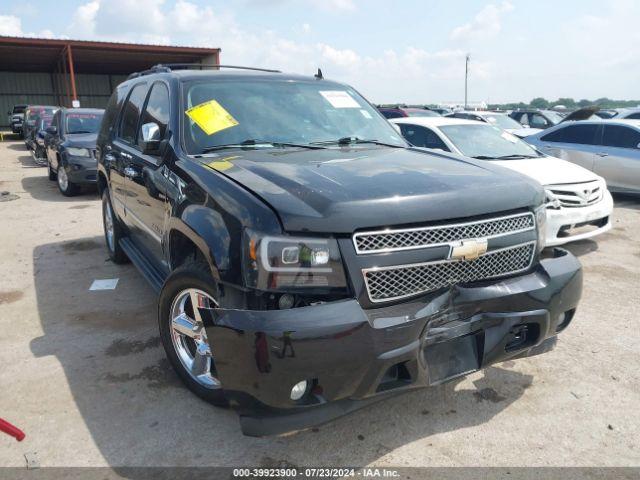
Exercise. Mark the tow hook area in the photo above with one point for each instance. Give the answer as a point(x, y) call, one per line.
point(522, 336)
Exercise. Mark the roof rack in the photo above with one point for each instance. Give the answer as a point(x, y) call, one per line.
point(169, 67)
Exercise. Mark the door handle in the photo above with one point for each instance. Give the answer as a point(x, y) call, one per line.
point(109, 158)
point(131, 172)
point(602, 154)
point(126, 155)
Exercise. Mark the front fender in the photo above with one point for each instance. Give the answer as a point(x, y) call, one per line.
point(195, 225)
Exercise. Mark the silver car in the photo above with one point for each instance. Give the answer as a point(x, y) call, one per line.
point(609, 148)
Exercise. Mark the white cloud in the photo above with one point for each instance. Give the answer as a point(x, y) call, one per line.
point(487, 23)
point(335, 5)
point(83, 22)
point(10, 25)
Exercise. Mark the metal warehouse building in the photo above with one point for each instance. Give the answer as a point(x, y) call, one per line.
point(55, 72)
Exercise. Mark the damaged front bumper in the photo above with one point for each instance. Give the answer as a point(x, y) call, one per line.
point(351, 357)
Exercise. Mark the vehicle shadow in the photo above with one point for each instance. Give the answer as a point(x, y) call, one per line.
point(28, 161)
point(18, 146)
point(41, 188)
point(137, 411)
point(626, 200)
point(581, 247)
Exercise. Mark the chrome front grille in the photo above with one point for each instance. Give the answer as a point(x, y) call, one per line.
point(579, 194)
point(381, 241)
point(396, 282)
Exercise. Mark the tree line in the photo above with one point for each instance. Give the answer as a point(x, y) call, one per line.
point(570, 103)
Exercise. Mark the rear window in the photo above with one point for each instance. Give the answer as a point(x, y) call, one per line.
point(578, 134)
point(77, 122)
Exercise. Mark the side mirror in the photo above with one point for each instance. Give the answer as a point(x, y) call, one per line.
point(51, 130)
point(150, 138)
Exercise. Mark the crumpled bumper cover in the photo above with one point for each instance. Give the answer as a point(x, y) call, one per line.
point(352, 357)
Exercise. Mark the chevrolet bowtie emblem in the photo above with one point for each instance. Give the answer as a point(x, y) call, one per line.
point(468, 249)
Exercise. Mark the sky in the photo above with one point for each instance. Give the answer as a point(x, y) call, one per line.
point(408, 51)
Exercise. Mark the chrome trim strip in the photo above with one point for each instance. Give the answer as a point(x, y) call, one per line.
point(438, 227)
point(435, 262)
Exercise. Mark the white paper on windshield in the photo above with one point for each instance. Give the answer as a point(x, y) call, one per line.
point(339, 99)
point(365, 114)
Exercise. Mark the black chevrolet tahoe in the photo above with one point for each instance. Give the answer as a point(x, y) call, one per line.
point(308, 260)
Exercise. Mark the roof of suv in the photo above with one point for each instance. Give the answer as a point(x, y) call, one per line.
point(190, 74)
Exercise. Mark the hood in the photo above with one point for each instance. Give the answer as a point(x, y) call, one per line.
point(549, 170)
point(581, 114)
point(341, 190)
point(523, 132)
point(81, 140)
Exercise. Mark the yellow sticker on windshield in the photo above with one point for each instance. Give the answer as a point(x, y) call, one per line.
point(211, 117)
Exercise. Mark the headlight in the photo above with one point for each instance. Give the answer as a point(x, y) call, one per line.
point(78, 152)
point(551, 201)
point(284, 262)
point(541, 224)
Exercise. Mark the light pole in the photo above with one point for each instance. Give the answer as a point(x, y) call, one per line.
point(466, 78)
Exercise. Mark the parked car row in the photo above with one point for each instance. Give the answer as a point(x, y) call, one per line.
point(312, 257)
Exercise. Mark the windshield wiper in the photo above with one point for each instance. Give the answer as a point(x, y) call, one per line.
point(504, 157)
point(253, 142)
point(356, 140)
point(79, 131)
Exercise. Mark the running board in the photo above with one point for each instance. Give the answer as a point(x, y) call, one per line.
point(145, 267)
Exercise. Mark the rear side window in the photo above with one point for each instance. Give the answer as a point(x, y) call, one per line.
point(422, 137)
point(157, 109)
point(538, 121)
point(110, 115)
point(580, 134)
point(131, 113)
point(621, 137)
point(391, 114)
point(634, 116)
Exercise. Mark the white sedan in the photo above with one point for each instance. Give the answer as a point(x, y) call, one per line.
point(579, 204)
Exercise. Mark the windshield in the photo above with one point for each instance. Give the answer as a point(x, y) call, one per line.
point(553, 116)
point(219, 112)
point(80, 122)
point(37, 111)
point(487, 142)
point(19, 109)
point(502, 121)
point(44, 123)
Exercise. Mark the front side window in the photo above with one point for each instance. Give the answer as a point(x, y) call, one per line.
point(82, 122)
point(422, 137)
point(579, 134)
point(538, 121)
point(157, 109)
point(222, 112)
point(634, 116)
point(131, 113)
point(621, 137)
point(486, 142)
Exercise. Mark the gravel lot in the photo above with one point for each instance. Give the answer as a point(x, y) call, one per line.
point(84, 375)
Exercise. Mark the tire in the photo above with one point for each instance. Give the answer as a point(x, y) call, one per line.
point(194, 277)
point(52, 174)
point(66, 186)
point(113, 235)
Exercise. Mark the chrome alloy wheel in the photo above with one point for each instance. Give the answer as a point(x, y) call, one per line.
point(63, 180)
point(189, 337)
point(108, 225)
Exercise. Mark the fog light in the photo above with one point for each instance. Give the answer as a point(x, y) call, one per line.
point(319, 257)
point(286, 301)
point(298, 390)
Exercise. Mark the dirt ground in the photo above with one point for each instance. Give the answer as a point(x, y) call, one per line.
point(84, 375)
